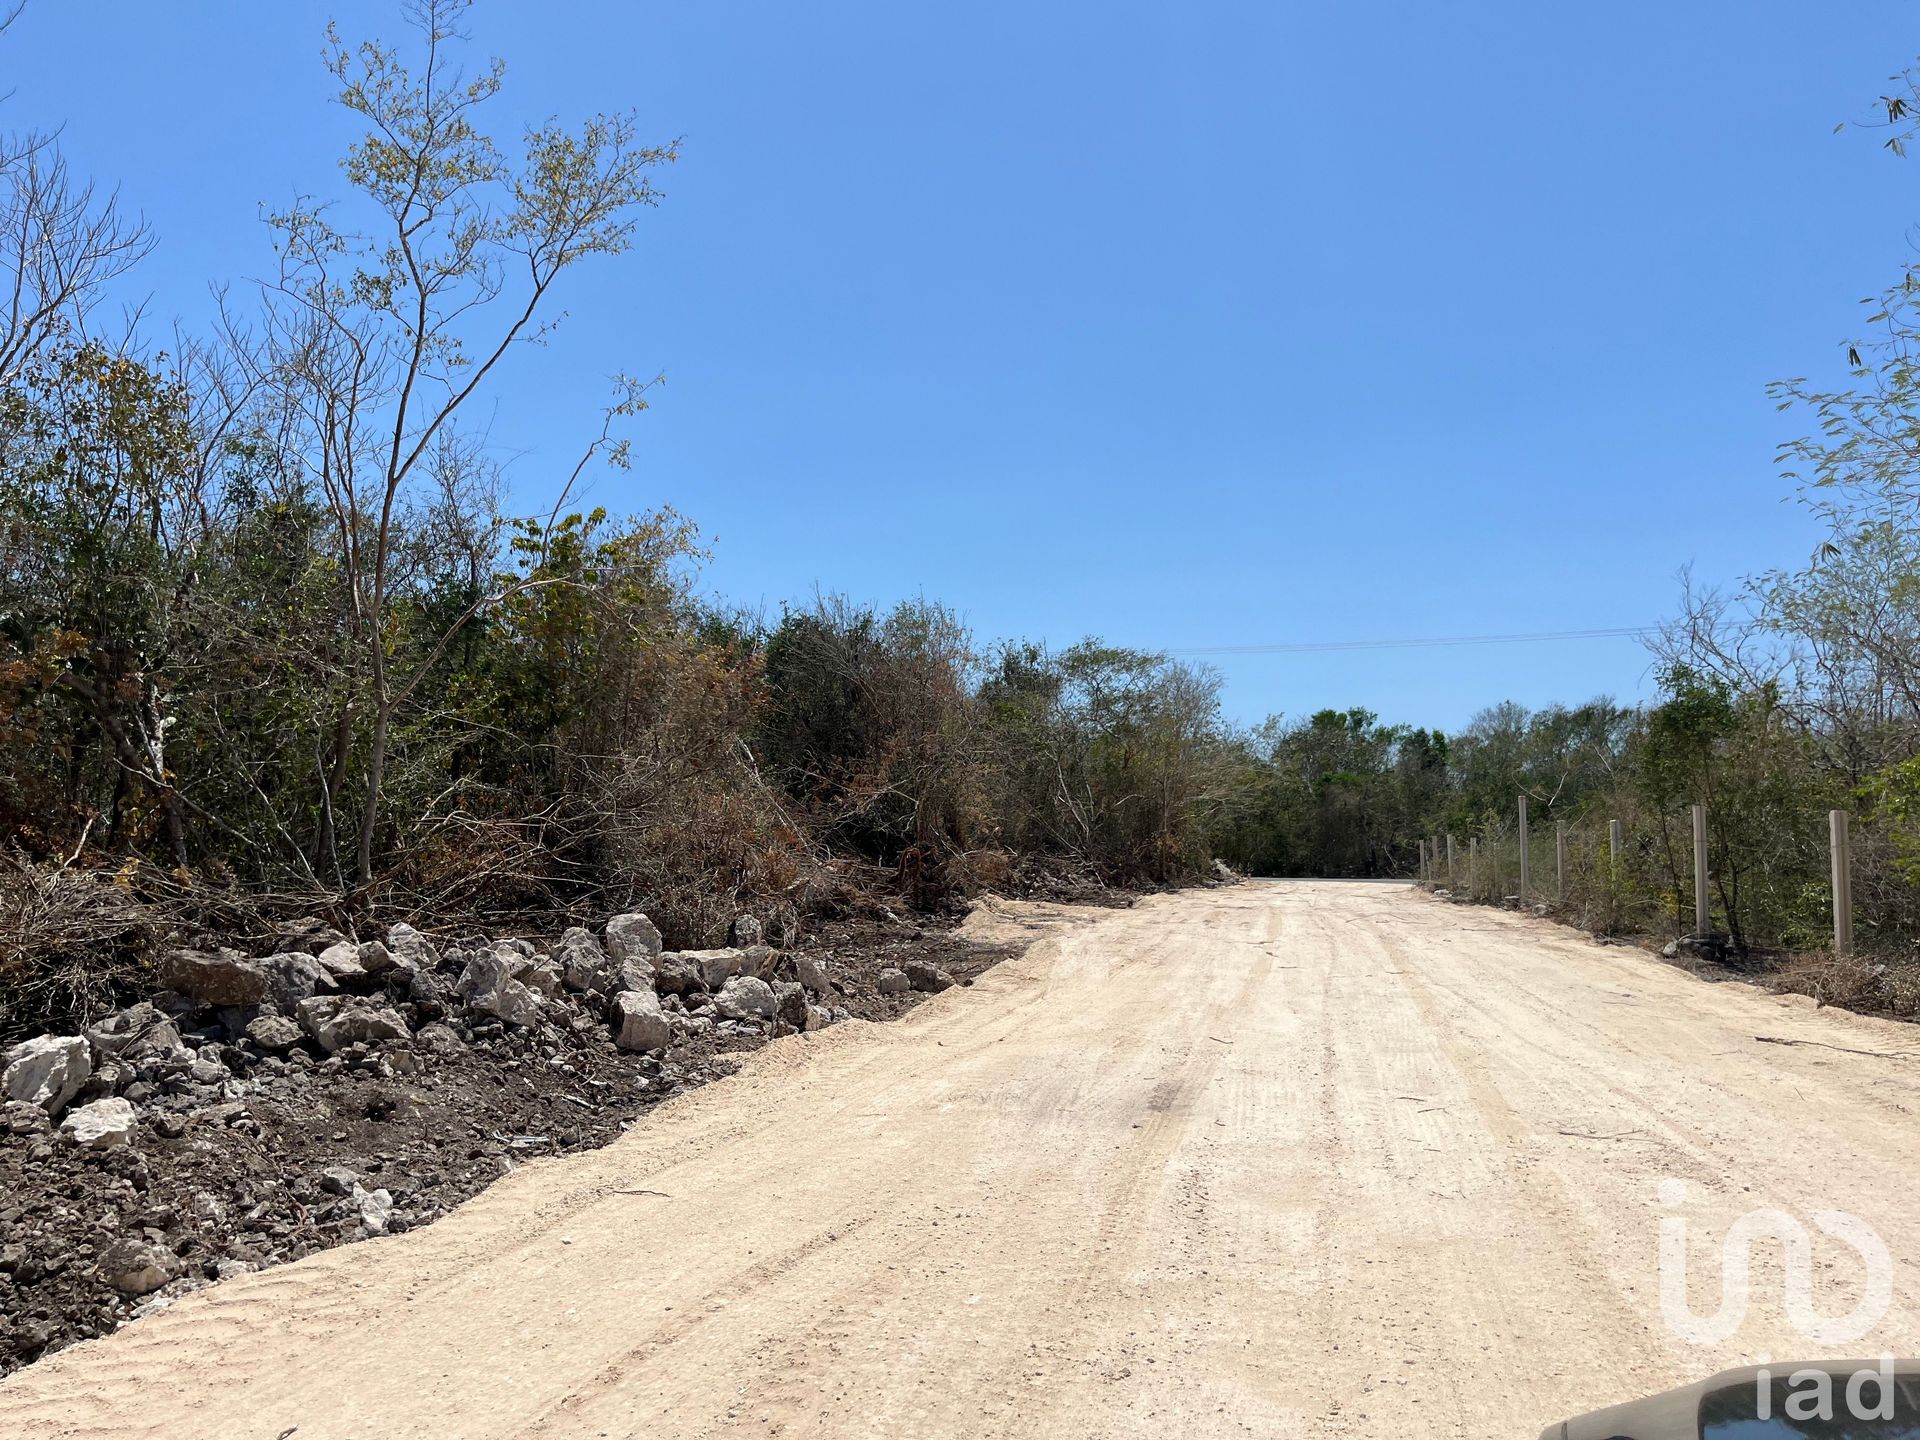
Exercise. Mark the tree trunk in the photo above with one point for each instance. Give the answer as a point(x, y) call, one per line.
point(376, 777)
point(333, 778)
point(153, 741)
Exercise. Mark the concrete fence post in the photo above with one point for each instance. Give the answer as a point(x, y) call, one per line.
point(1473, 863)
point(1524, 875)
point(1842, 882)
point(1450, 862)
point(1560, 861)
point(1700, 907)
point(1615, 844)
point(1613, 872)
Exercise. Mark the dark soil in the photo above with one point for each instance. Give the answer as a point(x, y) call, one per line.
point(225, 1184)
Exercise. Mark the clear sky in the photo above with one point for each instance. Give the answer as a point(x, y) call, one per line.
point(1184, 324)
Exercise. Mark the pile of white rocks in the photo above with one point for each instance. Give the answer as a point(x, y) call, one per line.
point(384, 1003)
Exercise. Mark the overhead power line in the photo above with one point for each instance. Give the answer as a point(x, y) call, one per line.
point(1299, 647)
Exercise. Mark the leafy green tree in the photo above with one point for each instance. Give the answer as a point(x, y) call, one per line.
point(1708, 744)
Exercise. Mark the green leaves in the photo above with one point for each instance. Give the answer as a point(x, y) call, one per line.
point(577, 193)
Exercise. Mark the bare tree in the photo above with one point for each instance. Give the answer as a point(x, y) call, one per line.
point(62, 243)
point(376, 342)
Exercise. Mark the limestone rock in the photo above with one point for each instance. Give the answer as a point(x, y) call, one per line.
point(410, 949)
point(337, 1020)
point(136, 1034)
point(717, 966)
point(101, 1125)
point(47, 1071)
point(308, 935)
point(746, 998)
point(488, 986)
point(273, 1033)
point(584, 963)
point(811, 973)
point(20, 1117)
point(440, 1040)
point(293, 976)
point(925, 976)
point(790, 1002)
point(377, 959)
point(135, 1268)
point(632, 934)
point(375, 1207)
point(677, 974)
point(342, 962)
point(639, 1022)
point(213, 977)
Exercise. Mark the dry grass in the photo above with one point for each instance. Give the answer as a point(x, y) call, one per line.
point(1866, 983)
point(73, 946)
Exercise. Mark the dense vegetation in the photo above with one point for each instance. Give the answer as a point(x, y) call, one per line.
point(272, 638)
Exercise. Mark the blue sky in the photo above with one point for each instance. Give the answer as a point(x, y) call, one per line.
point(1184, 325)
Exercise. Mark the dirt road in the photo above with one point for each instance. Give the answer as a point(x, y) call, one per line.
point(1283, 1160)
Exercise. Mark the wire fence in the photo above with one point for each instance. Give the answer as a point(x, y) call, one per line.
point(1769, 900)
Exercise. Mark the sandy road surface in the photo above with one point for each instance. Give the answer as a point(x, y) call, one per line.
point(1282, 1160)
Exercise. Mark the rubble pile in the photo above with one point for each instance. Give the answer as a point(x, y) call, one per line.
point(262, 1107)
